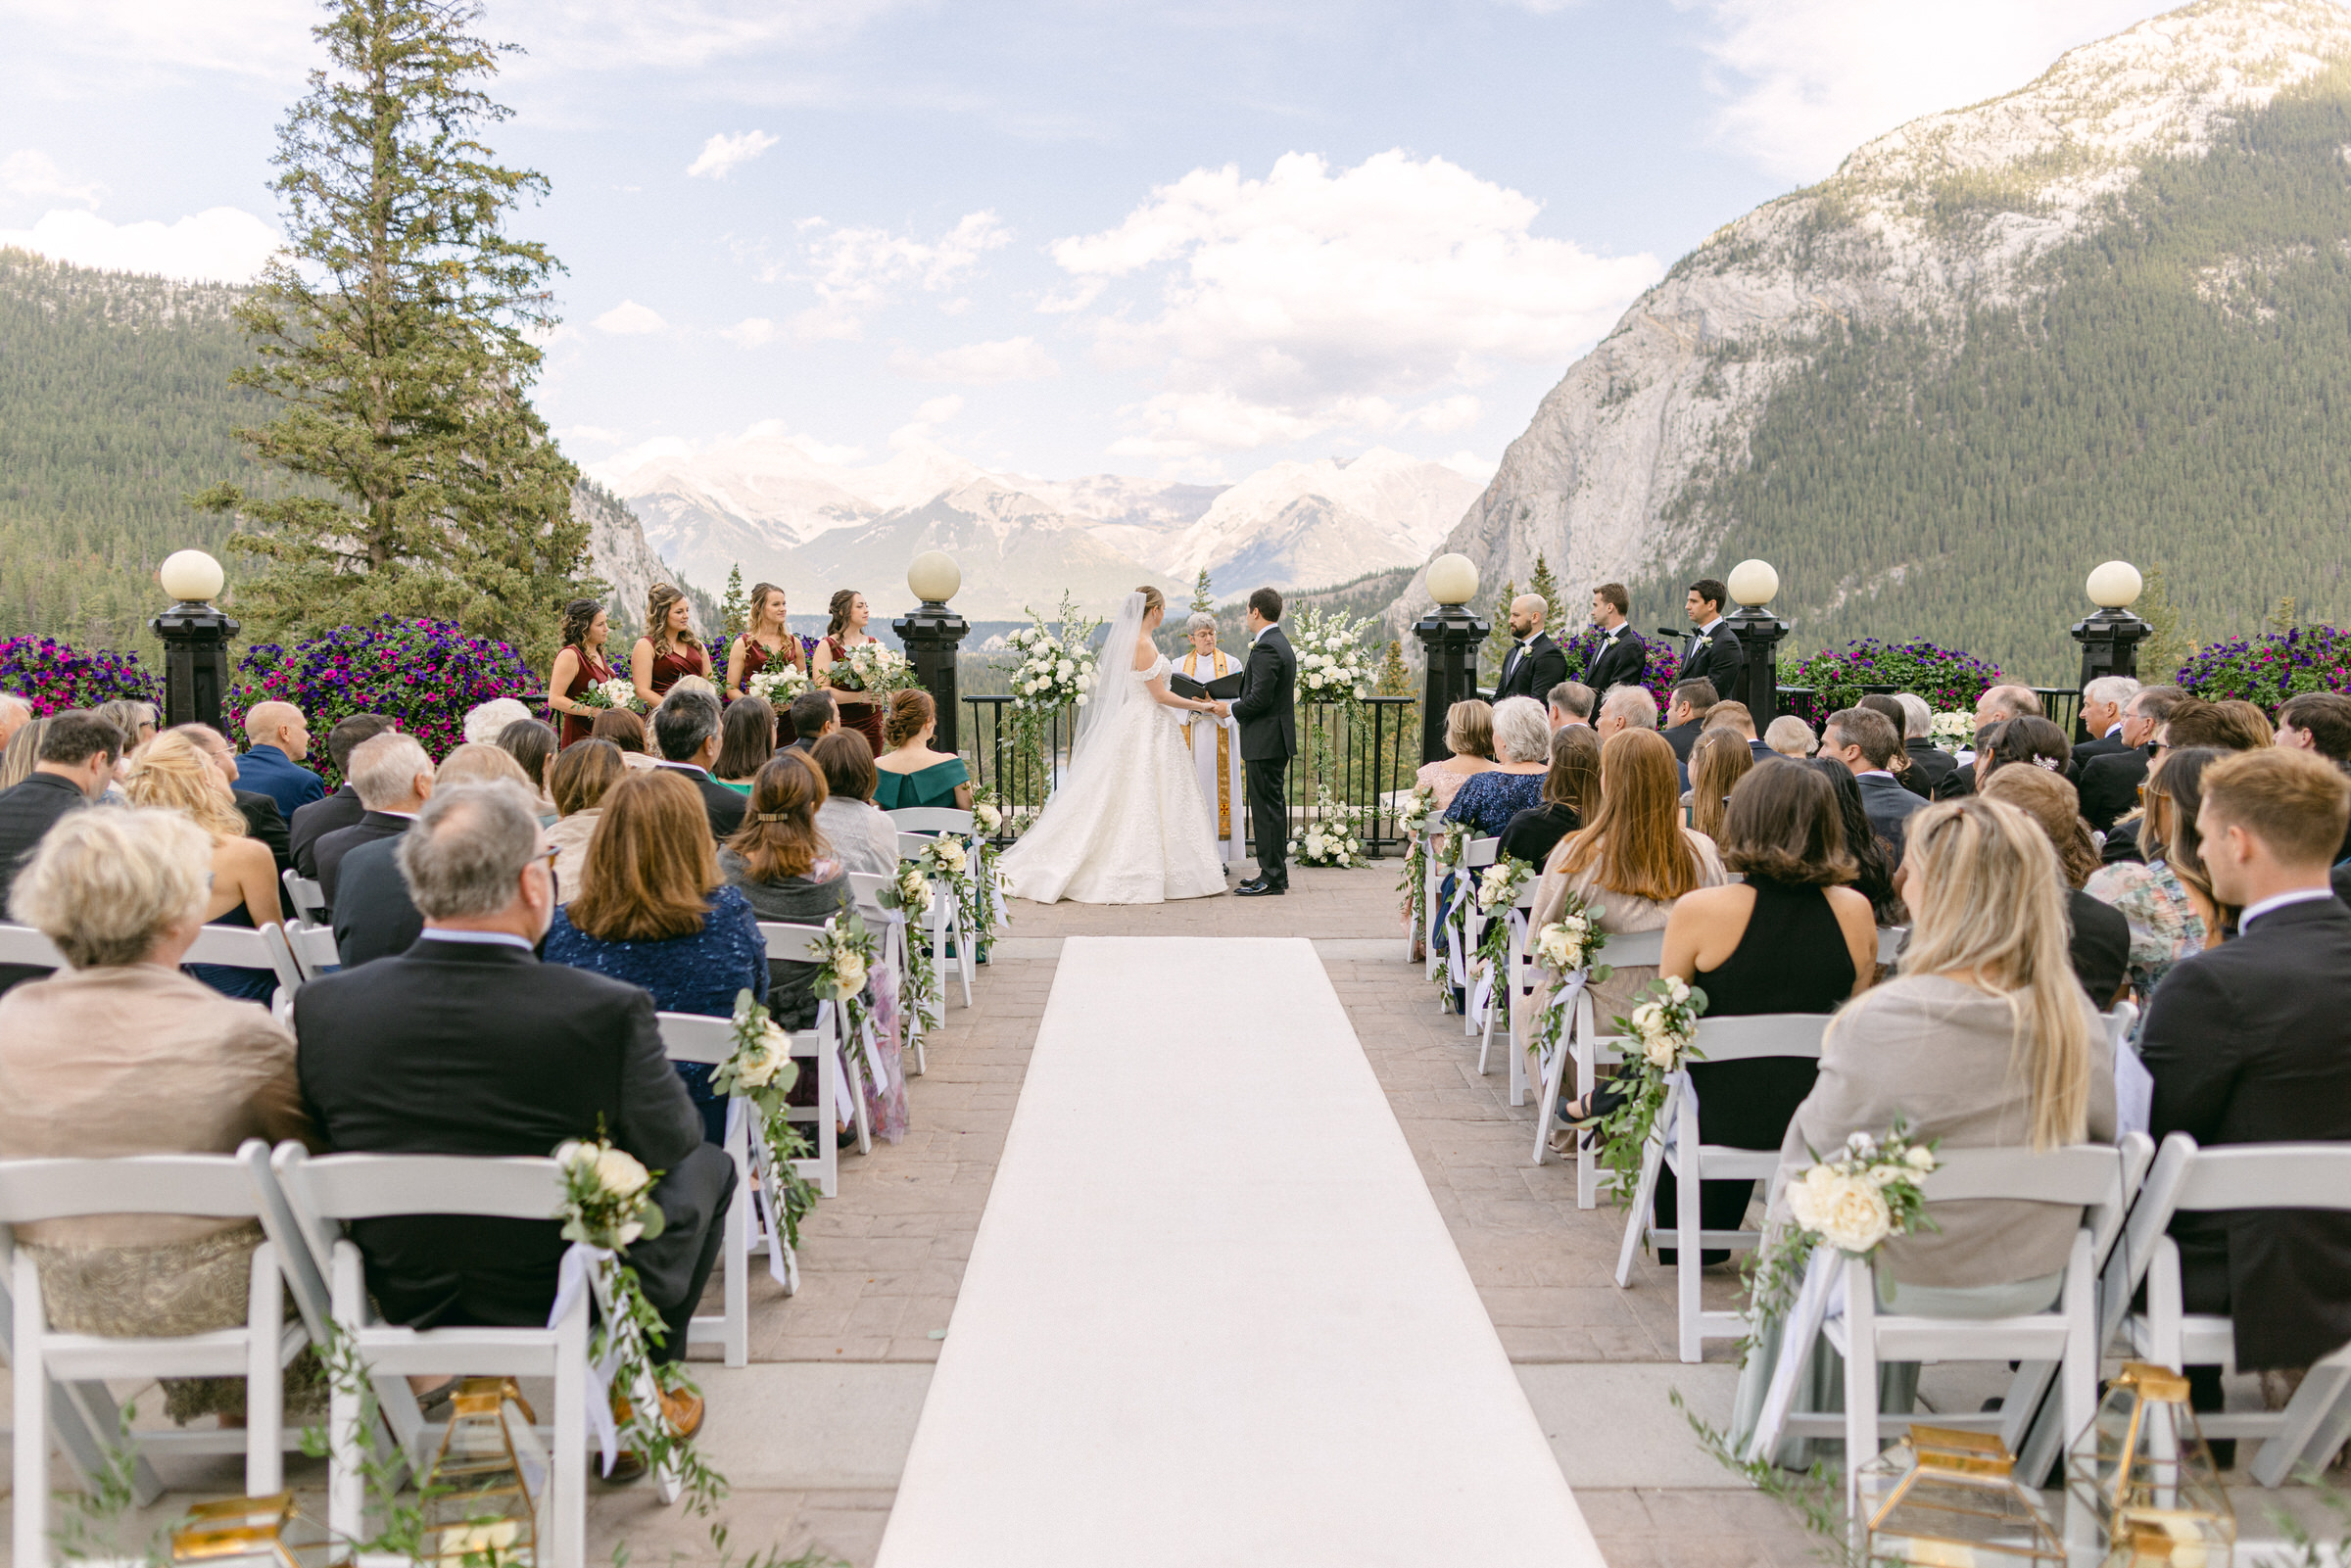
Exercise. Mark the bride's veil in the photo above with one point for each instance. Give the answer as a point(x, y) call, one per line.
point(1114, 687)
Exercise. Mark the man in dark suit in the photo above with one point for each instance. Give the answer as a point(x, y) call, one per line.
point(1685, 716)
point(814, 716)
point(395, 779)
point(1714, 652)
point(74, 765)
point(1621, 658)
point(1535, 664)
point(1268, 711)
point(468, 1045)
point(277, 739)
point(1865, 742)
point(686, 733)
point(342, 809)
point(2102, 703)
point(2250, 1042)
point(373, 916)
point(2109, 784)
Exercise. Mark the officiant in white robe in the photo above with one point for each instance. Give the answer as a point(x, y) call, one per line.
point(1214, 742)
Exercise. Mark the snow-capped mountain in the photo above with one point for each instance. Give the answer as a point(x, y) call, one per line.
point(1309, 525)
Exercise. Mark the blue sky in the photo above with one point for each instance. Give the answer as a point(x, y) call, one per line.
point(1059, 237)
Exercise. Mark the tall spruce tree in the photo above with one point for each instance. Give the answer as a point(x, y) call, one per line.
point(1202, 601)
point(734, 610)
point(397, 328)
point(1546, 587)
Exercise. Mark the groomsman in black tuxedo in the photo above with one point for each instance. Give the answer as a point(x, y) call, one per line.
point(1622, 658)
point(1714, 652)
point(1268, 711)
point(2250, 1042)
point(1535, 664)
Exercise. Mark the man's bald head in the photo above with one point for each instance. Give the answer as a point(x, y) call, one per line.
point(279, 725)
point(1527, 614)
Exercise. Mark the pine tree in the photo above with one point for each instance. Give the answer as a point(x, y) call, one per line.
point(2171, 643)
point(1547, 587)
point(1498, 641)
point(398, 330)
point(1202, 601)
point(734, 610)
point(1395, 676)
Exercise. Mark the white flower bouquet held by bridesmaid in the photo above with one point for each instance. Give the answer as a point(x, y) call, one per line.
point(779, 683)
point(619, 693)
point(875, 670)
point(1871, 1189)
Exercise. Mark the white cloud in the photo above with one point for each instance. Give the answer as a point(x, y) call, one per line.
point(1806, 81)
point(856, 270)
point(928, 417)
point(628, 320)
point(981, 364)
point(1309, 299)
point(591, 435)
point(37, 175)
point(220, 244)
point(750, 332)
point(721, 153)
point(1470, 465)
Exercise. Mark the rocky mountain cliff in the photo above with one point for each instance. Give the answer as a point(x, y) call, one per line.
point(1937, 387)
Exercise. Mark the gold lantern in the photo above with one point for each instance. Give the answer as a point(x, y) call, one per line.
point(482, 1491)
point(1951, 1499)
point(251, 1533)
point(2150, 1476)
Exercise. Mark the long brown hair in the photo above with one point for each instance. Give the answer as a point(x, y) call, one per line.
point(789, 647)
point(1574, 776)
point(657, 600)
point(621, 727)
point(583, 774)
point(777, 837)
point(1782, 824)
point(650, 866)
point(2052, 803)
point(1718, 759)
point(843, 601)
point(2178, 776)
point(1635, 841)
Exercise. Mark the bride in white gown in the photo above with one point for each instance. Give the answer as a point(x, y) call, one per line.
point(1128, 824)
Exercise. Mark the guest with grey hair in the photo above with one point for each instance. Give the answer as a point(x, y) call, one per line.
point(1487, 802)
point(468, 1044)
point(1626, 707)
point(2102, 702)
point(1570, 703)
point(135, 719)
point(393, 779)
point(1934, 772)
point(686, 732)
point(1789, 737)
point(485, 720)
point(15, 713)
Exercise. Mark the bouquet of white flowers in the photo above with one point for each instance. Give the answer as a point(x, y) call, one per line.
point(762, 1072)
point(1663, 1030)
point(1951, 731)
point(618, 692)
point(1057, 666)
point(987, 813)
point(845, 957)
point(1333, 666)
point(1333, 836)
point(875, 670)
point(1412, 815)
point(1564, 946)
point(606, 1195)
point(779, 683)
point(1867, 1191)
point(1497, 891)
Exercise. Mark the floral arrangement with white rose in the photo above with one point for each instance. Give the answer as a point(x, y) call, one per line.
point(1452, 849)
point(1332, 663)
point(1056, 666)
point(910, 895)
point(843, 954)
point(1951, 731)
point(1564, 946)
point(779, 683)
point(1333, 835)
point(988, 811)
point(1497, 891)
point(1664, 1030)
point(619, 692)
point(762, 1072)
point(1871, 1189)
point(1412, 816)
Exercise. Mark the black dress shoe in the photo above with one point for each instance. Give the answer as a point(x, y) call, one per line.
point(1260, 889)
point(1254, 884)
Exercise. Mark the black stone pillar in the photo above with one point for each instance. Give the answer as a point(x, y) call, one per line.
point(196, 672)
point(1758, 686)
point(2109, 642)
point(931, 636)
point(1450, 636)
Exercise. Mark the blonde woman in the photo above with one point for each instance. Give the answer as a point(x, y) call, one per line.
point(765, 642)
point(1470, 737)
point(175, 773)
point(669, 648)
point(1718, 759)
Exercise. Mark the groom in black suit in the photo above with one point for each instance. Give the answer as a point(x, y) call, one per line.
point(1268, 711)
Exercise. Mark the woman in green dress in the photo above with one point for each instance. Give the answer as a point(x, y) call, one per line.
point(911, 774)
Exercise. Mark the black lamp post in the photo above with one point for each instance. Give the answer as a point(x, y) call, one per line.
point(1752, 584)
point(932, 635)
point(2109, 638)
point(196, 638)
point(1449, 635)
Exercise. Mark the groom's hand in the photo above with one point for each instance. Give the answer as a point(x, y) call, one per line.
point(1223, 710)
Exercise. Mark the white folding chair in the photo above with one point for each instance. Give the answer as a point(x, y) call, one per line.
point(932, 819)
point(243, 947)
point(945, 923)
point(1506, 992)
point(2096, 1178)
point(2186, 1179)
point(305, 894)
point(1432, 875)
point(1675, 1145)
point(693, 1037)
point(837, 1088)
point(1584, 1049)
point(1463, 923)
point(1890, 942)
point(21, 944)
point(314, 948)
point(867, 887)
point(326, 1193)
point(213, 1186)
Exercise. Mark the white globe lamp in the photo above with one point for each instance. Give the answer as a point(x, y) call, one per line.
point(2114, 586)
point(1753, 583)
point(192, 576)
point(934, 576)
point(1453, 580)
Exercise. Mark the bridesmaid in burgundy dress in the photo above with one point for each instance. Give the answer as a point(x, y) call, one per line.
point(670, 649)
point(845, 635)
point(578, 666)
point(765, 644)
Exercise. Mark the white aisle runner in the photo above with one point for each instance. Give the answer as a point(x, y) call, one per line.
point(1211, 1314)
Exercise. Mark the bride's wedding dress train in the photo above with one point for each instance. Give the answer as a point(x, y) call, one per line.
point(1127, 825)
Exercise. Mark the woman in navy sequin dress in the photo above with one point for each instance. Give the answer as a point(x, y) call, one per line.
point(657, 914)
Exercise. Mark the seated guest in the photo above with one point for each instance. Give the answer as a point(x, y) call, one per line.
point(2102, 702)
point(276, 740)
point(2249, 728)
point(75, 756)
point(160, 1063)
point(532, 745)
point(469, 1045)
point(1485, 802)
point(778, 859)
point(1629, 863)
point(1789, 737)
point(1570, 703)
point(579, 778)
point(1626, 707)
point(909, 773)
point(1740, 719)
point(1887, 707)
point(174, 775)
point(2250, 1042)
point(2320, 722)
point(625, 730)
point(1717, 762)
point(2030, 740)
point(2002, 702)
point(15, 713)
point(1686, 714)
point(2166, 920)
point(686, 729)
point(484, 721)
point(2182, 773)
point(861, 835)
point(23, 751)
point(814, 715)
point(481, 762)
point(135, 719)
point(1985, 1040)
point(2109, 784)
point(655, 912)
point(1867, 745)
point(393, 779)
point(1932, 771)
point(263, 824)
point(342, 809)
point(1570, 793)
point(1793, 937)
point(1470, 737)
point(747, 738)
point(2100, 944)
point(1873, 866)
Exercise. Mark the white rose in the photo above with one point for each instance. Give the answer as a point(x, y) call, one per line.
point(1082, 699)
point(468, 1541)
point(1646, 1017)
point(569, 1152)
point(1315, 844)
point(754, 1069)
point(1361, 693)
point(620, 1174)
point(849, 972)
point(1658, 1050)
point(1919, 1157)
point(629, 1234)
point(1851, 1216)
point(1677, 988)
point(1065, 669)
point(1861, 1144)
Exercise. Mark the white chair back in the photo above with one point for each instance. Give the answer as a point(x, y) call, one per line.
point(21, 944)
point(708, 1041)
point(243, 947)
point(1585, 1052)
point(314, 948)
point(931, 820)
point(1890, 942)
point(306, 895)
point(866, 887)
point(796, 944)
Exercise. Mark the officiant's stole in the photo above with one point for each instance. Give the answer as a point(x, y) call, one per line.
point(1190, 666)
